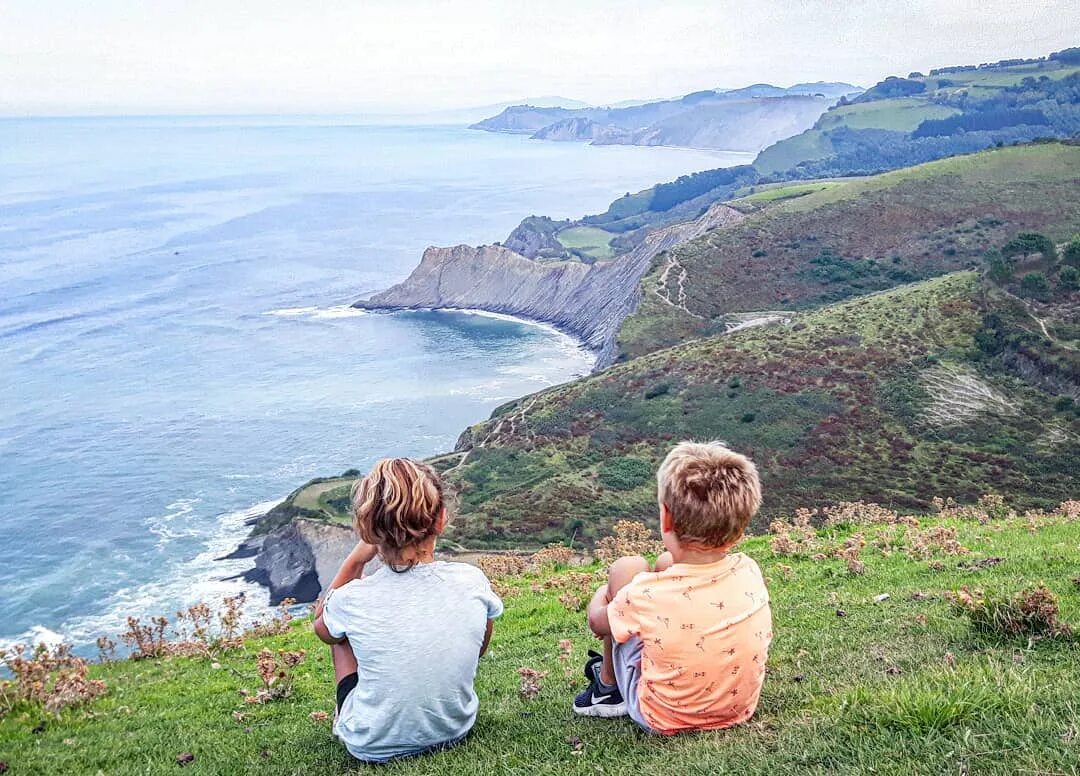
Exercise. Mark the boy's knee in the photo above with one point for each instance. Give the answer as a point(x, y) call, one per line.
point(623, 570)
point(664, 561)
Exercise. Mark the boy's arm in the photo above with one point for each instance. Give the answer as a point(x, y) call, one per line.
point(487, 637)
point(324, 633)
point(352, 568)
point(598, 613)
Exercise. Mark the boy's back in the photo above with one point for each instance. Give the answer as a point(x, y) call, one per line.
point(417, 637)
point(704, 632)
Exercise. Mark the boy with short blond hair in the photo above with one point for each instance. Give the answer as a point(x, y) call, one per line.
point(685, 644)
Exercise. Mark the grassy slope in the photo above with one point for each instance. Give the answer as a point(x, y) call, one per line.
point(914, 223)
point(834, 407)
point(903, 115)
point(588, 240)
point(899, 114)
point(773, 192)
point(874, 691)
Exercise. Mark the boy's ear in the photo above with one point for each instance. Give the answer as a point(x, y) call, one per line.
point(440, 525)
point(666, 523)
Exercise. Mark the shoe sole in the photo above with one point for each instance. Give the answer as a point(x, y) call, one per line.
point(606, 710)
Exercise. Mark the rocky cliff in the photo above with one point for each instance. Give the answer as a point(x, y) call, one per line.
point(587, 301)
point(299, 559)
point(747, 119)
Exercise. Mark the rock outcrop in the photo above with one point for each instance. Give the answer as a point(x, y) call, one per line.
point(300, 558)
point(586, 301)
point(578, 128)
point(534, 238)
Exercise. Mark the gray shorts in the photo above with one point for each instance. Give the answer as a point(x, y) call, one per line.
point(627, 659)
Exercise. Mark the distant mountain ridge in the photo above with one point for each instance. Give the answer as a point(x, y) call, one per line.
point(746, 119)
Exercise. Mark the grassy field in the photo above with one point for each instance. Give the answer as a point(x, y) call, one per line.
point(588, 240)
point(902, 115)
point(776, 193)
point(1000, 78)
point(855, 685)
point(811, 144)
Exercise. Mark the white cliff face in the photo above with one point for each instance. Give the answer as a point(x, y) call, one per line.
point(587, 301)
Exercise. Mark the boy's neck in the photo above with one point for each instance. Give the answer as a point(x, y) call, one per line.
point(698, 556)
point(418, 553)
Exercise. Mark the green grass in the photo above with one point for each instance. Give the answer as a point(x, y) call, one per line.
point(914, 223)
point(903, 686)
point(811, 144)
point(775, 193)
point(588, 240)
point(998, 79)
point(902, 115)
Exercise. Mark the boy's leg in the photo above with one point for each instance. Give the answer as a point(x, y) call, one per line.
point(620, 575)
point(663, 561)
point(344, 660)
point(345, 677)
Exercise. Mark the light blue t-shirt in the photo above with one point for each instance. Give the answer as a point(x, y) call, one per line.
point(416, 636)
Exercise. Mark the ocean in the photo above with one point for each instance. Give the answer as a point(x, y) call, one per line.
point(178, 350)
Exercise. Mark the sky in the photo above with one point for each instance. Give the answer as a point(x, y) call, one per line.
point(79, 57)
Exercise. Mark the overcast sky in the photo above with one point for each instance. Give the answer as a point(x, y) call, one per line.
point(356, 56)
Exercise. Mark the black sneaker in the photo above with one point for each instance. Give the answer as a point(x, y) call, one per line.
point(598, 699)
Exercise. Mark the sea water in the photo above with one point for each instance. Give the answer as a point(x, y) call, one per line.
point(177, 348)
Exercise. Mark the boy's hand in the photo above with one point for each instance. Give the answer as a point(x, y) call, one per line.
point(363, 552)
point(353, 566)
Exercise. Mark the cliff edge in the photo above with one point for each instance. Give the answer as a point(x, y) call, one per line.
point(588, 301)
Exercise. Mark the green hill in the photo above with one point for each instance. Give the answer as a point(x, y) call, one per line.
point(953, 110)
point(924, 378)
point(905, 685)
point(887, 397)
point(865, 235)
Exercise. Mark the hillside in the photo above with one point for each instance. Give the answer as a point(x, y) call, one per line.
point(817, 246)
point(746, 119)
point(888, 397)
point(905, 685)
point(953, 110)
point(948, 383)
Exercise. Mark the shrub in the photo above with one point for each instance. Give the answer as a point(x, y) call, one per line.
point(628, 537)
point(49, 677)
point(1071, 254)
point(1027, 243)
point(657, 390)
point(1069, 279)
point(501, 566)
point(1032, 612)
point(275, 674)
point(625, 473)
point(551, 557)
point(1034, 284)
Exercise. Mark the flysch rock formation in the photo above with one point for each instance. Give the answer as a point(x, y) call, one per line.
point(586, 301)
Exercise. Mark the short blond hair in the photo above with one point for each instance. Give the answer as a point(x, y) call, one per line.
point(711, 492)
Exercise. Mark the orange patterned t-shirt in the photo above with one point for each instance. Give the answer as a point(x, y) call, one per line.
point(705, 631)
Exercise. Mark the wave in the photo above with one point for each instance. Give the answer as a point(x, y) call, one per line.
point(202, 578)
point(337, 311)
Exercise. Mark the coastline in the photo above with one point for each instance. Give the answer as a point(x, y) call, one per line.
point(297, 558)
point(570, 337)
